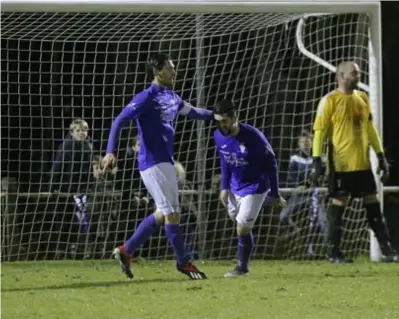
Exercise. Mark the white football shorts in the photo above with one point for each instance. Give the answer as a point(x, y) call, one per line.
point(161, 182)
point(245, 209)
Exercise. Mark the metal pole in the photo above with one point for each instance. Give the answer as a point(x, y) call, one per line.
point(375, 78)
point(201, 154)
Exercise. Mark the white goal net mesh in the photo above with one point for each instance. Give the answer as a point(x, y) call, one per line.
point(61, 66)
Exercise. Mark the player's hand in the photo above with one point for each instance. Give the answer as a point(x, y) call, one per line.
point(275, 201)
point(316, 171)
point(301, 189)
point(144, 201)
point(109, 162)
point(224, 197)
point(98, 173)
point(383, 168)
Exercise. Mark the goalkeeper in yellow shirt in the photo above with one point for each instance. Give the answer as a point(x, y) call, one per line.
point(345, 118)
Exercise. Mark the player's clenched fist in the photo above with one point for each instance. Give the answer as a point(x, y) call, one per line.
point(109, 162)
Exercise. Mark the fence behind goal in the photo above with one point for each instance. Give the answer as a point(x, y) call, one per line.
point(60, 66)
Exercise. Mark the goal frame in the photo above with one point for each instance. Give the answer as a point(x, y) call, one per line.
point(370, 7)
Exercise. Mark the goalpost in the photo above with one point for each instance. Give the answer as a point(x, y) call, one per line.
point(66, 59)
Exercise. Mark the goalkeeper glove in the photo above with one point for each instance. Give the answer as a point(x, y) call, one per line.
point(383, 167)
point(316, 170)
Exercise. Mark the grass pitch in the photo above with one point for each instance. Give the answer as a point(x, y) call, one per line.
point(274, 290)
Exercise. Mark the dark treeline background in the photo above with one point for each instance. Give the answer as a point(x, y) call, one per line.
point(57, 67)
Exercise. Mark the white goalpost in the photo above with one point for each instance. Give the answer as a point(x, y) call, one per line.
point(68, 59)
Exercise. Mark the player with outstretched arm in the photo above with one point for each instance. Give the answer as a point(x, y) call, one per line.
point(249, 177)
point(344, 116)
point(155, 110)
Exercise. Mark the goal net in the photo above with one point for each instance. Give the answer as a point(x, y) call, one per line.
point(60, 66)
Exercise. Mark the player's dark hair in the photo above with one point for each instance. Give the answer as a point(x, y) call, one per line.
point(157, 61)
point(225, 107)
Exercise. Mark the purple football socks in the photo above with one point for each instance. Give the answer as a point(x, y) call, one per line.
point(245, 245)
point(173, 232)
point(145, 230)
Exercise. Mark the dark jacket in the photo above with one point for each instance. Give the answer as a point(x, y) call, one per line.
point(128, 178)
point(299, 170)
point(72, 167)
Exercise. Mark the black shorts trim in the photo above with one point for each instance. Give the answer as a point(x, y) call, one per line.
point(354, 184)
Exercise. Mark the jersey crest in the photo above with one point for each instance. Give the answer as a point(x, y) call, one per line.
point(167, 106)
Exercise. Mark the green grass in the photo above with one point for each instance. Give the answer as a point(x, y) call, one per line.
point(299, 290)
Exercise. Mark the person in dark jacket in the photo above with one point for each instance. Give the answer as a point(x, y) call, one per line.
point(128, 176)
point(72, 171)
point(189, 212)
point(304, 198)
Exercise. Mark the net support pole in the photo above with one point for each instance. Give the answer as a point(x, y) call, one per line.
point(375, 93)
point(302, 48)
point(201, 155)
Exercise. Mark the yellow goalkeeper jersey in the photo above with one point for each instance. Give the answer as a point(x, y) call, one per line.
point(344, 118)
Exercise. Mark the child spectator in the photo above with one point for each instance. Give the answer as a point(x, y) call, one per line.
point(72, 174)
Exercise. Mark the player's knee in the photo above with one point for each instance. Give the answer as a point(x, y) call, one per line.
point(370, 199)
point(172, 218)
point(243, 230)
point(159, 218)
point(339, 201)
point(244, 225)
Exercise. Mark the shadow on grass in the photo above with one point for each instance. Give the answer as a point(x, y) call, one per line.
point(80, 285)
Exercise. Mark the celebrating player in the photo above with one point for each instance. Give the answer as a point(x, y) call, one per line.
point(155, 110)
point(249, 169)
point(344, 115)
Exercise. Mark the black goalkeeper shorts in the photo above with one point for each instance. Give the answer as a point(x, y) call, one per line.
point(355, 184)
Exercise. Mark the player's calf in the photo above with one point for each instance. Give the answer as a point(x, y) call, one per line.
point(244, 250)
point(248, 208)
point(334, 235)
point(175, 238)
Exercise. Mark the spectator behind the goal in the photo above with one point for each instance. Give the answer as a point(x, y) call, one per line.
point(103, 205)
point(189, 211)
point(134, 203)
point(303, 198)
point(128, 177)
point(71, 174)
